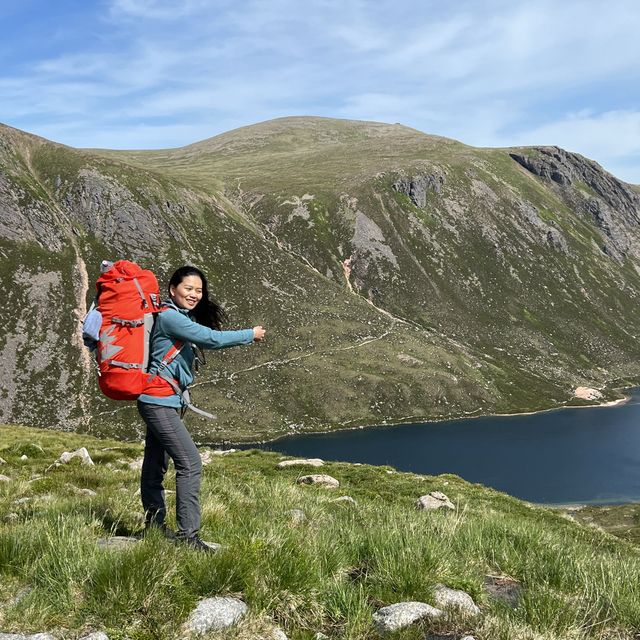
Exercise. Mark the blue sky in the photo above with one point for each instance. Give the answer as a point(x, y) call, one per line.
point(158, 73)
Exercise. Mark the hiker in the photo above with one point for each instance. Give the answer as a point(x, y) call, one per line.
point(193, 320)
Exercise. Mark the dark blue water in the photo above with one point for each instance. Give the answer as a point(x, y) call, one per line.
point(564, 456)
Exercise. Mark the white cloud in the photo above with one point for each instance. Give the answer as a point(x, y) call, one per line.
point(156, 9)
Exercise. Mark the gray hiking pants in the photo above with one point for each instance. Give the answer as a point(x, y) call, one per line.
point(167, 437)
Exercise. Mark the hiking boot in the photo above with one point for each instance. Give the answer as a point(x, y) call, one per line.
point(161, 527)
point(198, 544)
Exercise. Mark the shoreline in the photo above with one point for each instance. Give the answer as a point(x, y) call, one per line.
point(608, 403)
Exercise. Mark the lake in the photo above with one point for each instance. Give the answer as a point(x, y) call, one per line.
point(579, 455)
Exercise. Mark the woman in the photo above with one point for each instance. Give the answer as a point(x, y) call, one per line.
point(192, 319)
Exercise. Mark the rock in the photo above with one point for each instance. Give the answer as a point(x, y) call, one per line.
point(208, 455)
point(418, 186)
point(135, 465)
point(214, 614)
point(116, 542)
point(24, 457)
point(504, 589)
point(298, 516)
point(22, 500)
point(320, 636)
point(96, 635)
point(321, 480)
point(434, 500)
point(309, 462)
point(3, 461)
point(20, 636)
point(447, 598)
point(4, 478)
point(81, 453)
point(587, 393)
point(87, 492)
point(11, 517)
point(347, 500)
point(402, 614)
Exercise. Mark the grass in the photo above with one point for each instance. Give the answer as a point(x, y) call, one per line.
point(329, 573)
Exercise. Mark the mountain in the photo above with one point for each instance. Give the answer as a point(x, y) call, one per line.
point(400, 276)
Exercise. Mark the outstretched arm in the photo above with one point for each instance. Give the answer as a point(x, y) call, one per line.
point(181, 327)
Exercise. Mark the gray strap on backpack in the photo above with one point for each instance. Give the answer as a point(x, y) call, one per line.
point(185, 397)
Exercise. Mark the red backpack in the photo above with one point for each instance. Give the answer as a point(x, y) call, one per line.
point(119, 330)
point(128, 298)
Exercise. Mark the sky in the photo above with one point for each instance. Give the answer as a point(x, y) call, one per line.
point(144, 74)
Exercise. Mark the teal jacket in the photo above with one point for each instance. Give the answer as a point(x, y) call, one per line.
point(176, 324)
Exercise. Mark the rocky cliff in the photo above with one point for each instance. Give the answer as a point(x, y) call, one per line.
point(401, 276)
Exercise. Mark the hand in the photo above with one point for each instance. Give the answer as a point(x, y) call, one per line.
point(258, 333)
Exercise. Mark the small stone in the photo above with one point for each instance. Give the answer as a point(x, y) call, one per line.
point(223, 452)
point(11, 517)
point(21, 500)
point(135, 465)
point(306, 462)
point(87, 492)
point(400, 615)
point(320, 636)
point(347, 500)
point(81, 453)
point(322, 480)
point(24, 457)
point(116, 542)
point(214, 614)
point(434, 500)
point(447, 598)
point(3, 461)
point(4, 478)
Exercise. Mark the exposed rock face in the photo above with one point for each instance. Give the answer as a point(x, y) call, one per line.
point(419, 185)
point(605, 201)
point(586, 393)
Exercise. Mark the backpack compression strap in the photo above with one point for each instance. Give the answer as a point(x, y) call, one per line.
point(185, 397)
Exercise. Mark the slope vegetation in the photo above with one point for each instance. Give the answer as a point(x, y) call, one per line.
point(401, 276)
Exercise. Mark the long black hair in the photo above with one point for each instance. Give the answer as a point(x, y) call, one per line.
point(207, 312)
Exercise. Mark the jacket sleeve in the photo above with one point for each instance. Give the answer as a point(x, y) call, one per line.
point(180, 327)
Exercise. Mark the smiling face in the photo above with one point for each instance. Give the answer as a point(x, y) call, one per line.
point(188, 293)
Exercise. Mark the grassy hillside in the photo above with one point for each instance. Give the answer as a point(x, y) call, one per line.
point(400, 276)
point(328, 573)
